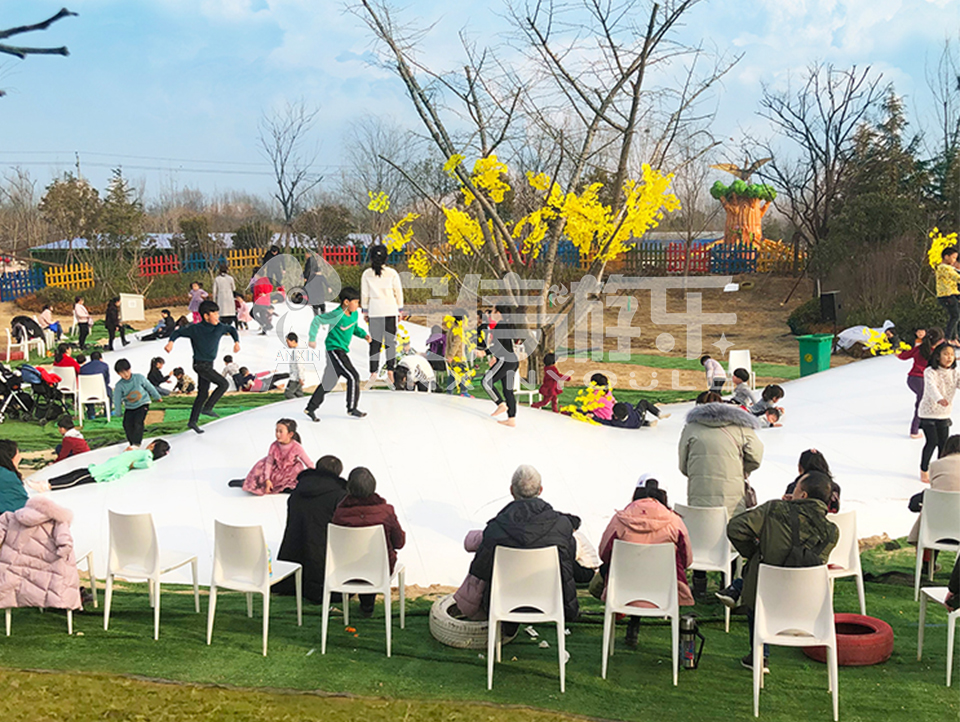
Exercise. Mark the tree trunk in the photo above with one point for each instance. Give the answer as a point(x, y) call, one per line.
point(744, 219)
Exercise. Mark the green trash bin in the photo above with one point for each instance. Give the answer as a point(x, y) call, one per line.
point(815, 352)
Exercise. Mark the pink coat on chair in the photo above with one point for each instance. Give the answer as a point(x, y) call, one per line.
point(37, 563)
point(281, 465)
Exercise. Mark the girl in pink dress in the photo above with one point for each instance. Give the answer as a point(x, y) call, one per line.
point(276, 473)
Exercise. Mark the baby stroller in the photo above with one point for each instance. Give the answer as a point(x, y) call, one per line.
point(48, 403)
point(17, 404)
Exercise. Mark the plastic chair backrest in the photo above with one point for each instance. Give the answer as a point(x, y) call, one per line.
point(240, 554)
point(68, 378)
point(940, 516)
point(642, 573)
point(92, 388)
point(133, 542)
point(846, 553)
point(526, 578)
point(708, 533)
point(792, 600)
point(739, 359)
point(357, 553)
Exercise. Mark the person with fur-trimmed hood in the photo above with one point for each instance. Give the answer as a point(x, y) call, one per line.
point(37, 563)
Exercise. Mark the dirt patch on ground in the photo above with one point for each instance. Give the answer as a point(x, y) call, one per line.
point(154, 416)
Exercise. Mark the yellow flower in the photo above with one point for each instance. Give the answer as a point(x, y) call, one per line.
point(486, 175)
point(938, 242)
point(398, 237)
point(462, 230)
point(379, 202)
point(452, 162)
point(539, 181)
point(419, 263)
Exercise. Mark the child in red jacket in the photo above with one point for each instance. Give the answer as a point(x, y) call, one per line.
point(552, 384)
point(73, 441)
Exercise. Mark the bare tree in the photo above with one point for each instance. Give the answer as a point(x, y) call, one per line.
point(283, 136)
point(819, 123)
point(21, 225)
point(699, 212)
point(23, 52)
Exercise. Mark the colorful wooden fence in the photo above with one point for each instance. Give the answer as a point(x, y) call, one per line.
point(75, 276)
point(21, 283)
point(159, 265)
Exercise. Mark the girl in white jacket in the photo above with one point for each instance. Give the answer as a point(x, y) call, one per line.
point(941, 379)
point(381, 299)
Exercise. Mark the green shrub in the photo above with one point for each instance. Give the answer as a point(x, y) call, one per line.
point(805, 317)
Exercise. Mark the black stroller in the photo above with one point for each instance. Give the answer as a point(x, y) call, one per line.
point(48, 399)
point(17, 403)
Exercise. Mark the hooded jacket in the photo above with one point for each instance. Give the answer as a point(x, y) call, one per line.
point(763, 536)
point(37, 563)
point(530, 524)
point(647, 521)
point(309, 509)
point(13, 494)
point(371, 511)
point(719, 447)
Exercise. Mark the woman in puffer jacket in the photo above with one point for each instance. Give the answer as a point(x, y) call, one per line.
point(37, 563)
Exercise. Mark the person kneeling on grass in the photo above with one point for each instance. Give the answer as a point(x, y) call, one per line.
point(73, 441)
point(364, 507)
point(277, 472)
point(111, 469)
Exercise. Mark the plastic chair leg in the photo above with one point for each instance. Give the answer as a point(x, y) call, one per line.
point(107, 598)
point(93, 578)
point(834, 680)
point(387, 613)
point(607, 633)
point(675, 636)
point(492, 628)
point(919, 572)
point(346, 608)
point(562, 653)
point(156, 611)
point(757, 674)
point(298, 585)
point(211, 611)
point(196, 586)
point(266, 619)
point(861, 593)
point(324, 619)
point(69, 622)
point(951, 633)
point(726, 610)
point(249, 604)
point(920, 626)
point(403, 600)
point(7, 610)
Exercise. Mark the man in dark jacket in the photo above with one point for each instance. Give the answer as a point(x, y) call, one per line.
point(309, 509)
point(765, 535)
point(528, 522)
point(364, 507)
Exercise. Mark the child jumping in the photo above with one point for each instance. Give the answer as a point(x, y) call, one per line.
point(205, 339)
point(131, 397)
point(552, 385)
point(343, 322)
point(505, 364)
point(196, 295)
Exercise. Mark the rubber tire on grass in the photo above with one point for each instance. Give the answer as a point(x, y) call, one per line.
point(861, 649)
point(459, 633)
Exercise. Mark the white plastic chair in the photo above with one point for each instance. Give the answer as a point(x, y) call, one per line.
point(938, 595)
point(93, 575)
point(68, 384)
point(519, 391)
point(49, 337)
point(69, 620)
point(135, 554)
point(712, 551)
point(845, 558)
point(357, 563)
point(240, 563)
point(21, 346)
point(92, 389)
point(525, 578)
point(642, 573)
point(740, 359)
point(794, 609)
point(939, 528)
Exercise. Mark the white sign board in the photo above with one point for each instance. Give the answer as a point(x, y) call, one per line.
point(131, 307)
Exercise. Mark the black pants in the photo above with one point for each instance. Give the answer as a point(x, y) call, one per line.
point(951, 304)
point(319, 308)
point(502, 372)
point(84, 332)
point(261, 314)
point(936, 432)
point(112, 334)
point(338, 365)
point(229, 320)
point(133, 423)
point(72, 478)
point(206, 376)
point(383, 332)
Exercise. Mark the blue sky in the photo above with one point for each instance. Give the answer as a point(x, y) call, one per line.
point(173, 89)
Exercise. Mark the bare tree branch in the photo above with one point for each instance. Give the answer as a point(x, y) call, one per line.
point(23, 52)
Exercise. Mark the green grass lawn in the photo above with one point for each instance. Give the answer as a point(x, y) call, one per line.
point(779, 371)
point(424, 672)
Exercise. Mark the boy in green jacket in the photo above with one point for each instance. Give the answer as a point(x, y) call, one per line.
point(343, 322)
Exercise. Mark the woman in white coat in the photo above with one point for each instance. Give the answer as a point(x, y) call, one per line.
point(381, 299)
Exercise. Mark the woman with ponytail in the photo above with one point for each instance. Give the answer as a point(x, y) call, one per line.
point(381, 300)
